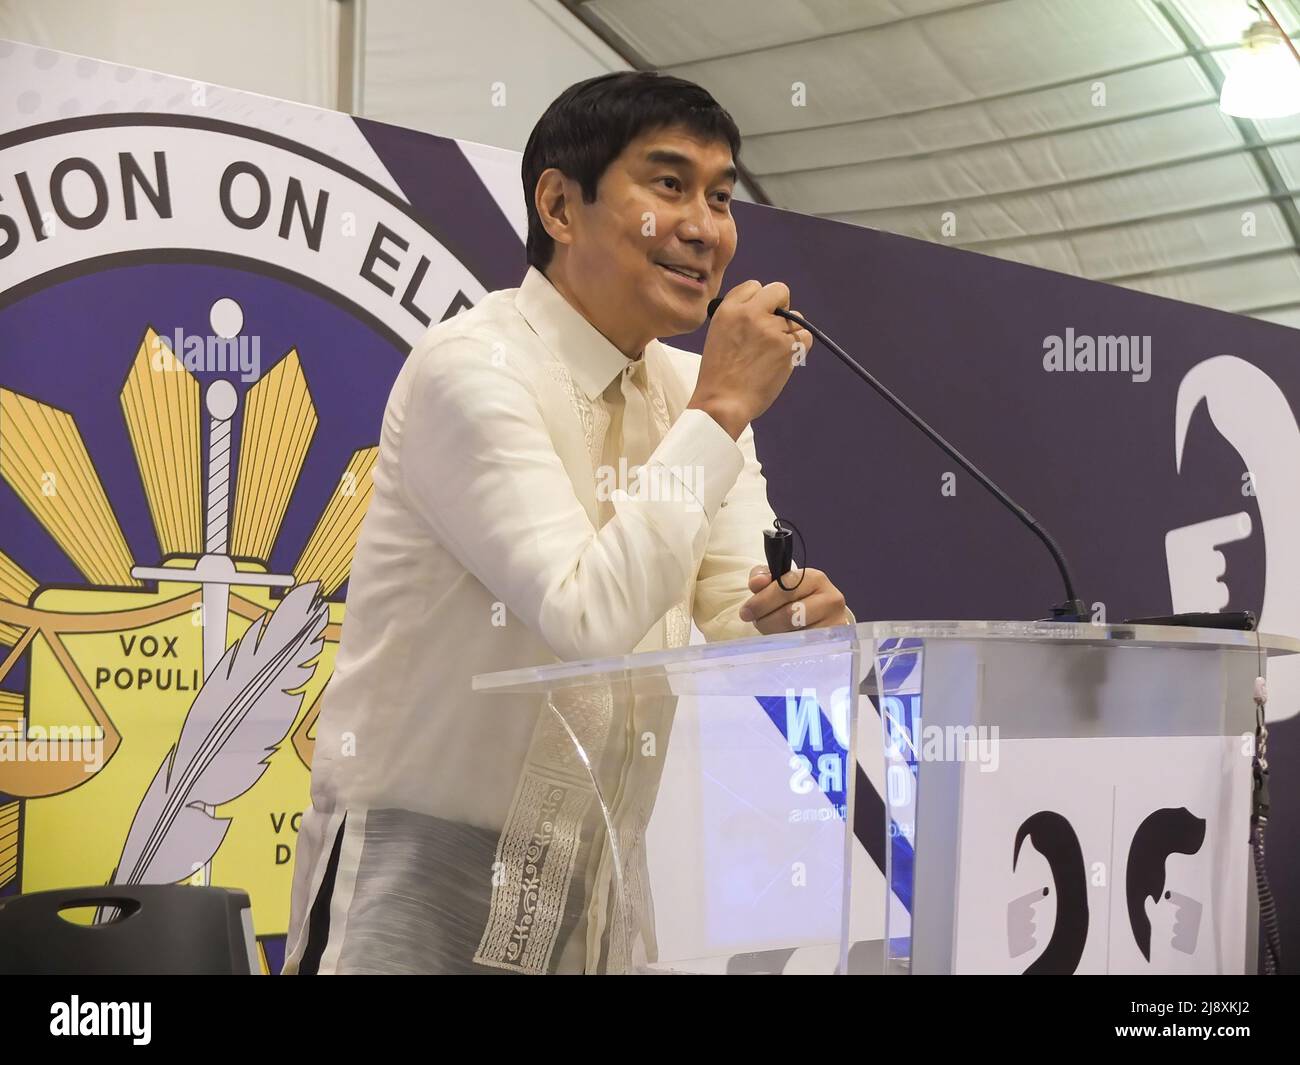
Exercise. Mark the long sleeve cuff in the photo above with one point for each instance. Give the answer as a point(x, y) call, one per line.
point(702, 460)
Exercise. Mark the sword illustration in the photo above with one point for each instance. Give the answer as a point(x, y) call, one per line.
point(215, 570)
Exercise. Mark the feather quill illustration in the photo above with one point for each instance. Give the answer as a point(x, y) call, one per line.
point(243, 711)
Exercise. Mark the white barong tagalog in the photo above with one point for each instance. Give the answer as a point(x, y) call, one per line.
point(454, 831)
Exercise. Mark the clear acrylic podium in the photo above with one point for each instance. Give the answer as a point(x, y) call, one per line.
point(915, 797)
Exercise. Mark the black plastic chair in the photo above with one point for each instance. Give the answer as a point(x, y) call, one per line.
point(148, 929)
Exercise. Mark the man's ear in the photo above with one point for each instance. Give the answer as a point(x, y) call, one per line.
point(553, 203)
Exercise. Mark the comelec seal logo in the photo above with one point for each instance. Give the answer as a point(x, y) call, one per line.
point(180, 518)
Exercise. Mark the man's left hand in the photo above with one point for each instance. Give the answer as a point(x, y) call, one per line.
point(815, 604)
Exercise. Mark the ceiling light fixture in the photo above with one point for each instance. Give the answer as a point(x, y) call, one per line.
point(1264, 79)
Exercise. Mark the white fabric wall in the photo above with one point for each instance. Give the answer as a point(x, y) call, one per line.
point(285, 48)
point(429, 65)
point(432, 66)
point(478, 70)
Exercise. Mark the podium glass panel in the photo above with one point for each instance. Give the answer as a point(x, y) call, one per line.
point(717, 838)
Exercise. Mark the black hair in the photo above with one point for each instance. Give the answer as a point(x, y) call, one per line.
point(1164, 833)
point(1055, 839)
point(589, 124)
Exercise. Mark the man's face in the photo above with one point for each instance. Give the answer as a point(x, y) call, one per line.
point(662, 206)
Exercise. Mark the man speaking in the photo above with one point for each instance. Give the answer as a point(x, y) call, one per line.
point(552, 482)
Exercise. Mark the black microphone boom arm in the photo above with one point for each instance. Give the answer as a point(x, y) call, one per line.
point(1073, 608)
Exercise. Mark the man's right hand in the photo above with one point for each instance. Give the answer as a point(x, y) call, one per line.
point(749, 355)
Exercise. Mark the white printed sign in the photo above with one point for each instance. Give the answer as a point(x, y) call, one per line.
point(1119, 855)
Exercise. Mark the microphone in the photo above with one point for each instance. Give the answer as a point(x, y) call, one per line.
point(1072, 609)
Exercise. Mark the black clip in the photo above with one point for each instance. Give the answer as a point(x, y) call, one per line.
point(1259, 797)
point(778, 546)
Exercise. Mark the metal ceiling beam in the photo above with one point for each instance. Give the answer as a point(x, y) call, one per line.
point(1010, 94)
point(350, 78)
point(874, 28)
point(1270, 308)
point(1194, 267)
point(1022, 138)
point(636, 60)
point(988, 243)
point(1056, 186)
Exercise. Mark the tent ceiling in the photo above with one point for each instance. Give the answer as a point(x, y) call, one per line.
point(1076, 135)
